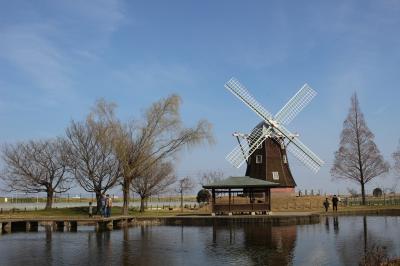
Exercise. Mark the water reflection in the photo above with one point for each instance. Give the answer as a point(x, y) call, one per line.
point(336, 224)
point(327, 224)
point(335, 241)
point(365, 231)
point(48, 232)
point(361, 242)
point(275, 244)
point(261, 244)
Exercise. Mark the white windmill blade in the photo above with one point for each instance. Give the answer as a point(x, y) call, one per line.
point(243, 151)
point(302, 157)
point(288, 112)
point(300, 100)
point(240, 91)
point(301, 151)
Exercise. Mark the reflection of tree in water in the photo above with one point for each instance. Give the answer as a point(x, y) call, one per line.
point(100, 247)
point(48, 246)
point(153, 245)
point(375, 255)
point(362, 246)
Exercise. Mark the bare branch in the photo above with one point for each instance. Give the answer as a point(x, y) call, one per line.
point(90, 150)
point(210, 177)
point(36, 166)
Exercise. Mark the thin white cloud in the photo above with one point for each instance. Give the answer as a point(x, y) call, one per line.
point(100, 15)
point(154, 76)
point(28, 49)
point(45, 49)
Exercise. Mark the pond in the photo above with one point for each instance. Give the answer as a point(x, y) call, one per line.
point(339, 240)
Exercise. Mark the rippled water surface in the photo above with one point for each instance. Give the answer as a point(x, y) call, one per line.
point(335, 241)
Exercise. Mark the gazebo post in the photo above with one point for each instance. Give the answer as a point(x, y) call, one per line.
point(213, 201)
point(229, 206)
point(265, 196)
point(252, 201)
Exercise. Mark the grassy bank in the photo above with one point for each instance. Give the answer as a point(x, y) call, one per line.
point(83, 211)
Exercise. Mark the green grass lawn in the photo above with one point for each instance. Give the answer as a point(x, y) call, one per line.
point(83, 212)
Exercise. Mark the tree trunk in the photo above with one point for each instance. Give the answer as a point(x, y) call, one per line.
point(363, 193)
point(181, 200)
point(142, 202)
point(49, 201)
point(125, 191)
point(98, 201)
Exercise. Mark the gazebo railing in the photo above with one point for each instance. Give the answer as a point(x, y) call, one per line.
point(241, 207)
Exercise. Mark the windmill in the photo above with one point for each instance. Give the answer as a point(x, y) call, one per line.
point(264, 149)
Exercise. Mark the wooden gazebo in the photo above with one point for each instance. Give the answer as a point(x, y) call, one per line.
point(241, 194)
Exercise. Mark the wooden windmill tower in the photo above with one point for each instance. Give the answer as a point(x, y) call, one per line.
point(264, 149)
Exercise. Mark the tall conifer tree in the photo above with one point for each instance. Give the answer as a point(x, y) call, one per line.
point(358, 158)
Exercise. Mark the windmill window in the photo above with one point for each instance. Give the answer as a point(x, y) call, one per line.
point(284, 159)
point(275, 175)
point(258, 158)
point(259, 146)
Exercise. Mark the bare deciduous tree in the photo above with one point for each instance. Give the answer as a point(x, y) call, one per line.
point(157, 179)
point(358, 158)
point(210, 177)
point(36, 166)
point(396, 158)
point(90, 149)
point(184, 185)
point(158, 137)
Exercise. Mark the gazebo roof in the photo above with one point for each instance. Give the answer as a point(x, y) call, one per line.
point(241, 182)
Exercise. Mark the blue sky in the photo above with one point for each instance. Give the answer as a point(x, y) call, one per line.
point(58, 57)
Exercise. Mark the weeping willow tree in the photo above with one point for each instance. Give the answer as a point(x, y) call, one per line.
point(358, 158)
point(157, 137)
point(155, 180)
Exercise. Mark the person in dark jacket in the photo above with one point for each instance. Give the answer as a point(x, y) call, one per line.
point(335, 201)
point(326, 204)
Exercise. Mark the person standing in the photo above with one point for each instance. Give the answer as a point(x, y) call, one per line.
point(108, 205)
point(103, 206)
point(90, 210)
point(326, 204)
point(335, 201)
